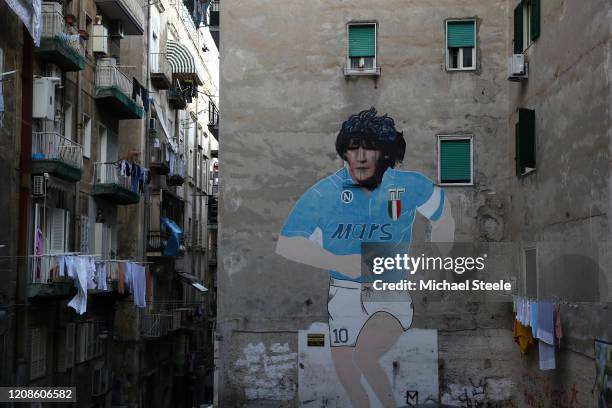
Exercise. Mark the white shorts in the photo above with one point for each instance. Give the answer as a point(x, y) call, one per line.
point(349, 311)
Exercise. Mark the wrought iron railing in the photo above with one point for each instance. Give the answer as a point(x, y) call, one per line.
point(109, 173)
point(54, 26)
point(158, 324)
point(108, 75)
point(157, 240)
point(53, 146)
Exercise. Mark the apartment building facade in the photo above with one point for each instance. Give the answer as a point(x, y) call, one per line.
point(296, 71)
point(81, 121)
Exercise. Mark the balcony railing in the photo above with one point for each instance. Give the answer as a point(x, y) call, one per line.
point(115, 87)
point(159, 159)
point(53, 146)
point(44, 279)
point(110, 76)
point(158, 324)
point(109, 173)
point(157, 241)
point(58, 45)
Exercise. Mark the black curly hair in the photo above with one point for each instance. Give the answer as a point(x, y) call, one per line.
point(378, 131)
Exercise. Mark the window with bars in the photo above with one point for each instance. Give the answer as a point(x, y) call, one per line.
point(461, 44)
point(455, 160)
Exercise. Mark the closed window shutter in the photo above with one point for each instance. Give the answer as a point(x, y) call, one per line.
point(526, 140)
point(362, 41)
point(518, 29)
point(461, 34)
point(57, 230)
point(84, 241)
point(455, 161)
point(535, 19)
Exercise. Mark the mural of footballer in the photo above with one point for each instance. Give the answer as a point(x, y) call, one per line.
point(368, 200)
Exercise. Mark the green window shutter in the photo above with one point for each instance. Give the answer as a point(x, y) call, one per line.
point(526, 140)
point(535, 19)
point(455, 161)
point(362, 40)
point(461, 34)
point(518, 29)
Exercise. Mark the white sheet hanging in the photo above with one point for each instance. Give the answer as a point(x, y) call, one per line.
point(29, 12)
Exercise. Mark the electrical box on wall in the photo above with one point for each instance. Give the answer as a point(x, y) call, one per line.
point(43, 106)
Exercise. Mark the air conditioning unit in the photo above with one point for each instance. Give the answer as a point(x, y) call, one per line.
point(39, 185)
point(153, 125)
point(517, 67)
point(43, 105)
point(100, 40)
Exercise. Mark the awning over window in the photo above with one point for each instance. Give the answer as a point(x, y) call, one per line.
point(182, 62)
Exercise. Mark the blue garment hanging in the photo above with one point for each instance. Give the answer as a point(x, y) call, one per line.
point(174, 241)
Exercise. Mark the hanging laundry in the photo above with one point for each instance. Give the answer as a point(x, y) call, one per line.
point(39, 242)
point(534, 318)
point(545, 322)
point(546, 354)
point(138, 283)
point(145, 99)
point(101, 276)
point(134, 183)
point(91, 274)
point(522, 336)
point(81, 270)
point(135, 88)
point(62, 264)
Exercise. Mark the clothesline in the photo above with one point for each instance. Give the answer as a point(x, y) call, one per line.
point(49, 255)
point(124, 261)
point(555, 301)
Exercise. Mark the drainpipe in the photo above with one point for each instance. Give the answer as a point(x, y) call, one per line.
point(25, 166)
point(146, 161)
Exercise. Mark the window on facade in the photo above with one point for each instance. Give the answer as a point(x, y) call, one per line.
point(455, 160)
point(531, 272)
point(89, 344)
point(38, 352)
point(461, 44)
point(362, 47)
point(526, 24)
point(525, 149)
point(86, 136)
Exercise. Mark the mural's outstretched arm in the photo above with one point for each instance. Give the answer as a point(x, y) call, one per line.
point(303, 250)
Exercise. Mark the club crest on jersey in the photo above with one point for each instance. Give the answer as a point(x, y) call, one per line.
point(394, 204)
point(346, 196)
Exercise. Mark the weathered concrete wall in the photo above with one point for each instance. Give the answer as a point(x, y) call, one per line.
point(566, 202)
point(284, 98)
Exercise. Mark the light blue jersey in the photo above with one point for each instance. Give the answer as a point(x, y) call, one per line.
point(339, 215)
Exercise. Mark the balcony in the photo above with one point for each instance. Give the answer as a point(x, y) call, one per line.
point(54, 154)
point(112, 186)
point(159, 161)
point(156, 242)
point(44, 280)
point(213, 206)
point(114, 90)
point(213, 18)
point(127, 12)
point(176, 175)
point(161, 74)
point(212, 256)
point(213, 119)
point(156, 324)
point(57, 46)
point(176, 99)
